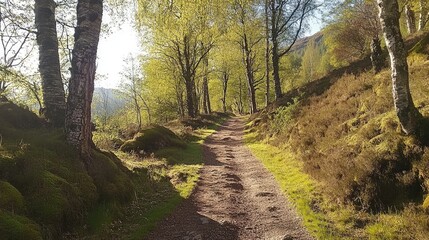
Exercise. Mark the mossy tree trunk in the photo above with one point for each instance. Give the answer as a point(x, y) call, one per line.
point(404, 106)
point(49, 62)
point(81, 86)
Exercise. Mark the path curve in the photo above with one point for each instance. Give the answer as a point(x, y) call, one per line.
point(235, 197)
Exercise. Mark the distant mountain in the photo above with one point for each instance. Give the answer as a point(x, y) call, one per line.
point(301, 44)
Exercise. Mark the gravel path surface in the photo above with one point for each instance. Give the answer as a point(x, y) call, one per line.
point(235, 198)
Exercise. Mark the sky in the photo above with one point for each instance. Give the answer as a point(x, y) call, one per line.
point(112, 50)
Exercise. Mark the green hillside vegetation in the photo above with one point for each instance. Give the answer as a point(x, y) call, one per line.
point(46, 191)
point(345, 143)
point(165, 172)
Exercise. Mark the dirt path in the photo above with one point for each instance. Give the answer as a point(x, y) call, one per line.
point(235, 198)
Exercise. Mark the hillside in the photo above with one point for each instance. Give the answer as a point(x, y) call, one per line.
point(371, 180)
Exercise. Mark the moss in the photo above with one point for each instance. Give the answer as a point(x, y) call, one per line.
point(10, 198)
point(113, 184)
point(54, 200)
point(152, 139)
point(14, 116)
point(15, 227)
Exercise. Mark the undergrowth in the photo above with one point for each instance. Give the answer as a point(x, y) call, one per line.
point(371, 179)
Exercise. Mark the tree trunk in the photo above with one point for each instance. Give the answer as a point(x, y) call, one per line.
point(377, 59)
point(248, 62)
point(240, 98)
point(196, 97)
point(267, 54)
point(206, 95)
point(81, 86)
point(49, 62)
point(275, 52)
point(224, 88)
point(404, 106)
point(411, 19)
point(423, 14)
point(138, 113)
point(190, 97)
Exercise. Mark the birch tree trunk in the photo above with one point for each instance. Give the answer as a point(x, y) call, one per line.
point(411, 19)
point(423, 14)
point(49, 62)
point(404, 106)
point(81, 86)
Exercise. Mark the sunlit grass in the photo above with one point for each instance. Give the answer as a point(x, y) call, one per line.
point(298, 186)
point(166, 178)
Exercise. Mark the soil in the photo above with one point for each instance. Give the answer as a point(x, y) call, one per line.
point(235, 197)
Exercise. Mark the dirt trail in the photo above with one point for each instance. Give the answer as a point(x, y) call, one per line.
point(235, 198)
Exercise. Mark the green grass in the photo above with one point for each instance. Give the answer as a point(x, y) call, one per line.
point(298, 186)
point(163, 180)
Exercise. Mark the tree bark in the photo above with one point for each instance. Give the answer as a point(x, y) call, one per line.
point(190, 89)
point(404, 106)
point(248, 62)
point(206, 95)
point(49, 62)
point(275, 51)
point(225, 79)
point(81, 86)
point(377, 59)
point(267, 54)
point(411, 19)
point(423, 14)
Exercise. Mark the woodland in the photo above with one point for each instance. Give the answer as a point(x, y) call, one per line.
point(232, 122)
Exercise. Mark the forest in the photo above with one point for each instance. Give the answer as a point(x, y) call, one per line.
point(234, 119)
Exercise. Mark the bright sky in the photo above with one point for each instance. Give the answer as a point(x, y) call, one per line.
point(112, 50)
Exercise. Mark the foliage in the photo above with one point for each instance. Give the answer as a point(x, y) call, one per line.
point(349, 36)
point(283, 116)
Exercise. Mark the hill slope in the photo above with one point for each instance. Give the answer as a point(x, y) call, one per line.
point(344, 130)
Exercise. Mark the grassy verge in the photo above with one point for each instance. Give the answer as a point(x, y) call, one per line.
point(162, 182)
point(298, 186)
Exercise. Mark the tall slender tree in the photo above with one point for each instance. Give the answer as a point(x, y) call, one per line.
point(81, 86)
point(287, 23)
point(49, 62)
point(406, 111)
point(267, 52)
